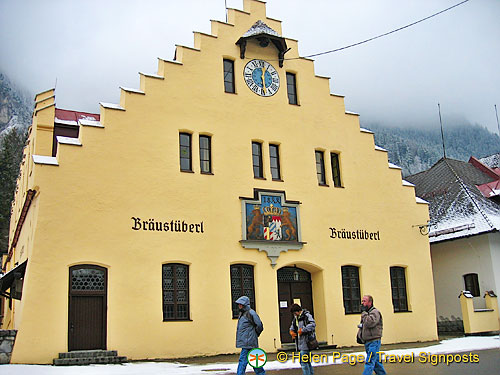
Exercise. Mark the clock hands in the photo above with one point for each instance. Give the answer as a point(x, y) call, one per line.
point(269, 81)
point(264, 79)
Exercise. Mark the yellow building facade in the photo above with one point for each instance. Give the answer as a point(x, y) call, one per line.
point(138, 234)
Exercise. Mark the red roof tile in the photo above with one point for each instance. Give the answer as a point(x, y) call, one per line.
point(67, 115)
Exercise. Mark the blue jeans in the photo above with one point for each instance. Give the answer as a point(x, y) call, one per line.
point(307, 368)
point(243, 362)
point(372, 362)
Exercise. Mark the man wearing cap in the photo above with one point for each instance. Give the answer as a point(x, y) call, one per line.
point(247, 334)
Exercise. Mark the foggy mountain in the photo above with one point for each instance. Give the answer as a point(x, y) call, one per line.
point(417, 149)
point(16, 106)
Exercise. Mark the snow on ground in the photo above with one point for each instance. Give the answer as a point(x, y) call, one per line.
point(456, 345)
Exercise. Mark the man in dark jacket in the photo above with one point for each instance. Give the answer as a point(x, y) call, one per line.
point(247, 334)
point(302, 330)
point(370, 333)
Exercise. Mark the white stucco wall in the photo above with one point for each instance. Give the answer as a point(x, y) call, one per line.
point(452, 259)
point(494, 239)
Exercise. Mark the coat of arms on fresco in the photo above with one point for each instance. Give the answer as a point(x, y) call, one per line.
point(268, 217)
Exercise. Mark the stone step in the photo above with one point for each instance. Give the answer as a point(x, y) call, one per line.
point(88, 354)
point(105, 360)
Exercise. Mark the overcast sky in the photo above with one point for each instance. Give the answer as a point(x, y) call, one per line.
point(94, 46)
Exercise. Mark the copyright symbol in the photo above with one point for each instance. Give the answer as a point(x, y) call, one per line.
point(282, 357)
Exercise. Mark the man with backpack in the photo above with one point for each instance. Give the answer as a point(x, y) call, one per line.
point(247, 334)
point(302, 331)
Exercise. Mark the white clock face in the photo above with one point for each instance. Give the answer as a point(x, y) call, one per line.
point(261, 77)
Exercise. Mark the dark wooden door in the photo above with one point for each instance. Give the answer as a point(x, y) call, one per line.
point(294, 286)
point(87, 308)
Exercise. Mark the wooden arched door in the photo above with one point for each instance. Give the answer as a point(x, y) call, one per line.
point(294, 285)
point(87, 307)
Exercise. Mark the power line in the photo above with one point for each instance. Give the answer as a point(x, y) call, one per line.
point(382, 35)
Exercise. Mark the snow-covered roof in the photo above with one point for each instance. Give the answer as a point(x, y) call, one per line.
point(69, 117)
point(492, 161)
point(258, 28)
point(456, 206)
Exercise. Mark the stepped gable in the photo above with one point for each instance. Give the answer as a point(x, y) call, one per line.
point(254, 24)
point(457, 208)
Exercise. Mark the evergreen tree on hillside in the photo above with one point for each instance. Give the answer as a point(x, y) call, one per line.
point(11, 153)
point(416, 150)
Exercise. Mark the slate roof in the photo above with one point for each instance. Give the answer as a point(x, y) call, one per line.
point(456, 206)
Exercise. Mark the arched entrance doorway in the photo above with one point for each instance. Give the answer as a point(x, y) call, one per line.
point(294, 286)
point(87, 307)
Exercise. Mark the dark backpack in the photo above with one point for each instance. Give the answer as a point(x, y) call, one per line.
point(249, 316)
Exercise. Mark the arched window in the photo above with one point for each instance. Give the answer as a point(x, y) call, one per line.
point(175, 291)
point(398, 289)
point(351, 290)
point(242, 284)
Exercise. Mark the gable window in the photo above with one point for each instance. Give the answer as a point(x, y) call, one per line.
point(257, 160)
point(320, 167)
point(472, 284)
point(291, 87)
point(335, 169)
point(205, 154)
point(175, 279)
point(398, 289)
point(242, 284)
point(229, 75)
point(274, 155)
point(351, 290)
point(185, 151)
